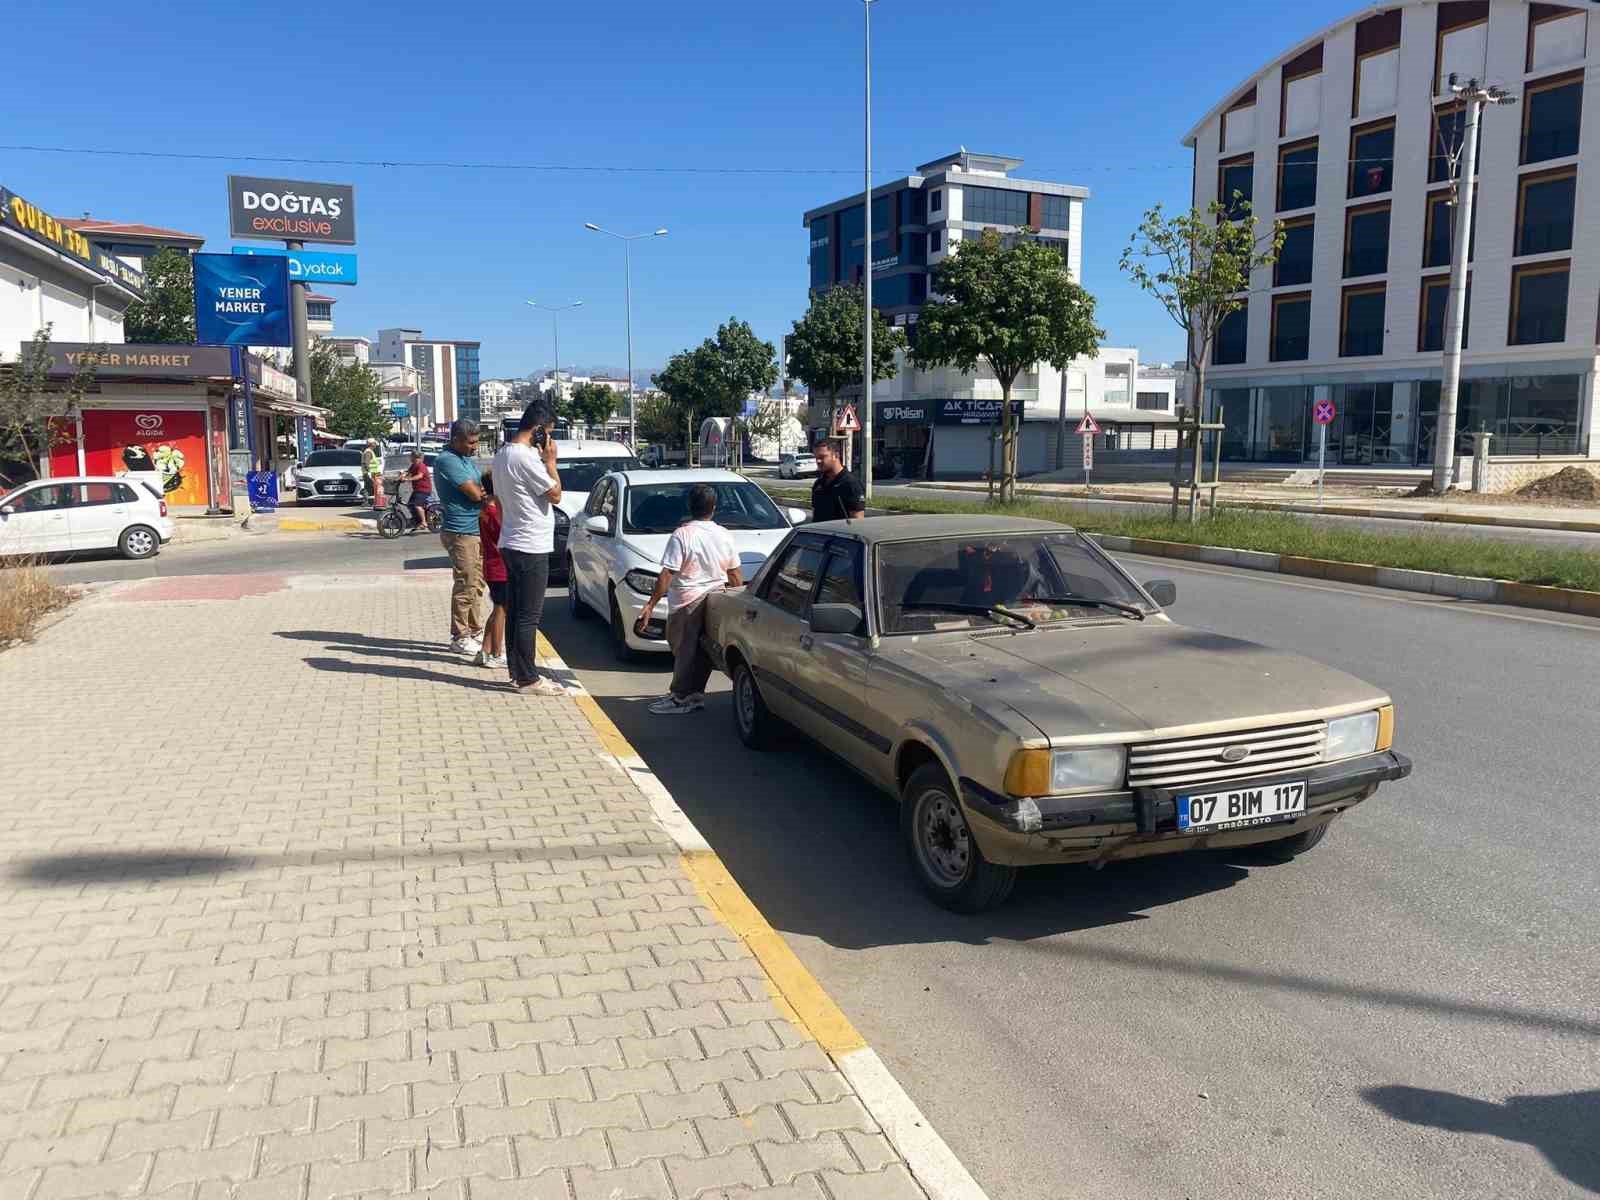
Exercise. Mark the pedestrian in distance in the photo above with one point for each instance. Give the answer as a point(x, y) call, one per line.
point(371, 471)
point(527, 485)
point(493, 653)
point(460, 498)
point(421, 481)
point(835, 496)
point(699, 559)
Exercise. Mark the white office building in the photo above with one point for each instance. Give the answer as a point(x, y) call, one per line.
point(448, 368)
point(1349, 138)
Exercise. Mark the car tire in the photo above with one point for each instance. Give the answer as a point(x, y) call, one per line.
point(139, 541)
point(1297, 844)
point(576, 608)
point(620, 650)
point(944, 855)
point(752, 719)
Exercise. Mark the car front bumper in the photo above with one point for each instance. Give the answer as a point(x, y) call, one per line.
point(1130, 824)
point(629, 604)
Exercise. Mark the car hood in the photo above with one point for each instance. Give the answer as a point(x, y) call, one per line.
point(651, 546)
point(1152, 678)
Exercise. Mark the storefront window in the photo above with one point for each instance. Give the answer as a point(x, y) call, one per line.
point(1281, 416)
point(1235, 406)
point(1541, 416)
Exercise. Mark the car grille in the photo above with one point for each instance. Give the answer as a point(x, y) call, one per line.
point(1181, 762)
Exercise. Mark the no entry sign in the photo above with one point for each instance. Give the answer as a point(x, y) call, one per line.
point(1323, 412)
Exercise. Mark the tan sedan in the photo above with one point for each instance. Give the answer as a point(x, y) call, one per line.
point(1028, 702)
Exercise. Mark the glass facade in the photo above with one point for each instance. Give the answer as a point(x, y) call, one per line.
point(994, 206)
point(821, 253)
point(1057, 212)
point(467, 382)
point(852, 227)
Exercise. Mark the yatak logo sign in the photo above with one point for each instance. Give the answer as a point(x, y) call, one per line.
point(291, 210)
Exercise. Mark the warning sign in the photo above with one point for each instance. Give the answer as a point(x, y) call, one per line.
point(846, 421)
point(1088, 425)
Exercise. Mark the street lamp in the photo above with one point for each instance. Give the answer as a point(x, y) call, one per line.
point(555, 311)
point(627, 284)
point(866, 307)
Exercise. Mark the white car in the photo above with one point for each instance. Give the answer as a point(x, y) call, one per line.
point(84, 512)
point(792, 466)
point(581, 462)
point(614, 552)
point(329, 475)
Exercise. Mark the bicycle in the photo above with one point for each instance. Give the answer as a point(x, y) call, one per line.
point(396, 518)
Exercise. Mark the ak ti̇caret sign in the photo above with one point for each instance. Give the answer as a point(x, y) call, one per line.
point(291, 210)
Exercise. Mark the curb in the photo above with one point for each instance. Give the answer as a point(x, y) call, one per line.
point(798, 993)
point(320, 525)
point(1326, 510)
point(1462, 587)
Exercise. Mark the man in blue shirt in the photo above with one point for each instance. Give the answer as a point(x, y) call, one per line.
point(456, 479)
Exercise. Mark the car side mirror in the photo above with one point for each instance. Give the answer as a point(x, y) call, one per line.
point(1163, 591)
point(9, 510)
point(598, 525)
point(797, 516)
point(835, 618)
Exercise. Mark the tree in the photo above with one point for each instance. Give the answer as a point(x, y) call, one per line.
point(1198, 265)
point(659, 420)
point(351, 392)
point(1012, 306)
point(733, 365)
point(825, 348)
point(167, 312)
point(30, 406)
point(591, 404)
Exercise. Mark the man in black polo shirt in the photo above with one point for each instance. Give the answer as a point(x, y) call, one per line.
point(836, 494)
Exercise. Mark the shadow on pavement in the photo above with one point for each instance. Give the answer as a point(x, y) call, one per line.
point(437, 563)
point(345, 638)
point(409, 673)
point(1565, 1128)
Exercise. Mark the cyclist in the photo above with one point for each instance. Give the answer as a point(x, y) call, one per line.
point(421, 481)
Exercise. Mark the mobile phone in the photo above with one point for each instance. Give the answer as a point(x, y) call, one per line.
point(540, 437)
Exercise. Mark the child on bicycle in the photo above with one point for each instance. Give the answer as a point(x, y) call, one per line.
point(493, 653)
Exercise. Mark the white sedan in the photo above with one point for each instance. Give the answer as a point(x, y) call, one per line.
point(792, 466)
point(83, 512)
point(615, 547)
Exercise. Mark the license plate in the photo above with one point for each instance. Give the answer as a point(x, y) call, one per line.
point(338, 487)
point(1241, 808)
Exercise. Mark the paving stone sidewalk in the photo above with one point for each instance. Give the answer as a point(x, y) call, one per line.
point(295, 904)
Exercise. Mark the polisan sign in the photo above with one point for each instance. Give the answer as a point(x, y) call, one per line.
point(291, 210)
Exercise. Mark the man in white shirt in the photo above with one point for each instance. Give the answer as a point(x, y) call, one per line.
point(699, 559)
point(528, 486)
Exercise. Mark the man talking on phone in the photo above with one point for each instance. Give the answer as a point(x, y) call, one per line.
point(528, 485)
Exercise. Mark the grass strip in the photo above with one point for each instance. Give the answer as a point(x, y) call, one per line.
point(1290, 533)
point(27, 595)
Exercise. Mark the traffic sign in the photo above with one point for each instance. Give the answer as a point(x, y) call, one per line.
point(399, 411)
point(1088, 454)
point(1088, 425)
point(847, 421)
point(1323, 412)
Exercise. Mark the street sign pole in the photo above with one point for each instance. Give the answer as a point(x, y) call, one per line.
point(1322, 458)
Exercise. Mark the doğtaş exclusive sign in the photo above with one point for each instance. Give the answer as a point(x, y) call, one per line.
point(291, 210)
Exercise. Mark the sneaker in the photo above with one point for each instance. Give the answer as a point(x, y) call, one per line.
point(543, 686)
point(491, 660)
point(672, 706)
point(479, 661)
point(469, 646)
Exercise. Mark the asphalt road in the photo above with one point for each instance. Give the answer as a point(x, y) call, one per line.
point(1408, 1011)
point(1411, 1010)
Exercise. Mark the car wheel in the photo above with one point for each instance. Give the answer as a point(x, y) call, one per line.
point(944, 855)
point(620, 649)
point(578, 610)
point(756, 726)
point(139, 541)
point(1296, 844)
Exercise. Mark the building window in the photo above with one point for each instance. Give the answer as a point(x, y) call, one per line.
point(1239, 123)
point(1232, 338)
point(1435, 302)
point(1361, 323)
point(1439, 230)
point(821, 252)
point(1057, 212)
point(1539, 303)
point(935, 201)
point(1297, 176)
point(1366, 241)
point(1294, 259)
point(1235, 185)
point(1550, 118)
point(935, 241)
point(319, 312)
point(1377, 73)
point(1461, 42)
point(994, 206)
point(1544, 211)
point(1152, 401)
point(1556, 36)
point(1449, 128)
point(1300, 102)
point(1291, 328)
point(1371, 159)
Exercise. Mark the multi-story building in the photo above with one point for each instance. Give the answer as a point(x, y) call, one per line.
point(133, 242)
point(351, 349)
point(1351, 138)
point(319, 314)
point(448, 368)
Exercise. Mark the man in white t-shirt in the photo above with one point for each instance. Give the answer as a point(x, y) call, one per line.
point(528, 486)
point(699, 559)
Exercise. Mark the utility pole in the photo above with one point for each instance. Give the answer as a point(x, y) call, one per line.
point(866, 307)
point(302, 336)
point(1475, 97)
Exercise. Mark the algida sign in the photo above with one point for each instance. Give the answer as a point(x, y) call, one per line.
point(291, 210)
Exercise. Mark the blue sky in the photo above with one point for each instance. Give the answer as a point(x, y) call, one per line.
point(1086, 94)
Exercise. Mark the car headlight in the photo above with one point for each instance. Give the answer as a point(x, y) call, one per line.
point(1052, 772)
point(641, 581)
point(1352, 736)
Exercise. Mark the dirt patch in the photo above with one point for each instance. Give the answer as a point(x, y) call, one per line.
point(1569, 483)
point(27, 596)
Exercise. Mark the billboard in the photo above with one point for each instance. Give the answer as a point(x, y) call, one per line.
point(310, 266)
point(139, 360)
point(291, 210)
point(242, 300)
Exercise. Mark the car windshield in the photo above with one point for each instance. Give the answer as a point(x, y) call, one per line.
point(662, 507)
point(581, 474)
point(953, 583)
point(334, 458)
